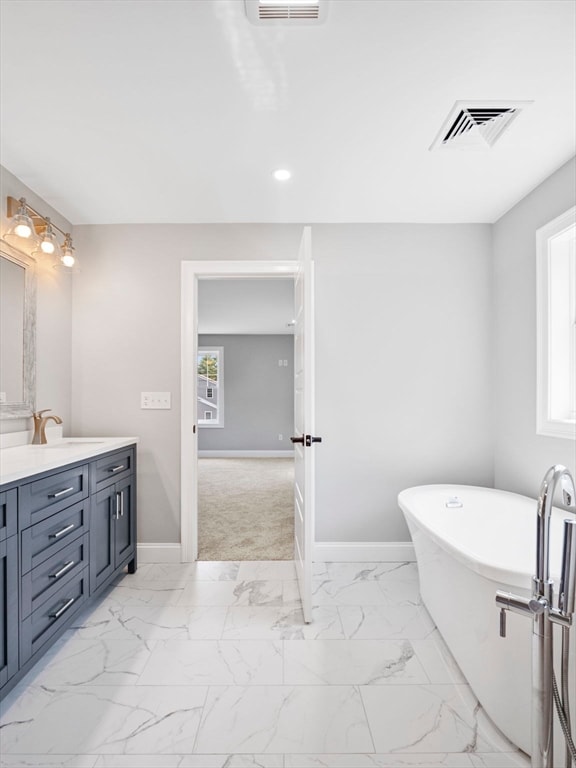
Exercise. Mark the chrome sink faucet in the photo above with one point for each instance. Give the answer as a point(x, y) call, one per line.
point(39, 437)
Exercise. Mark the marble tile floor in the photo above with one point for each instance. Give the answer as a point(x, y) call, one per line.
point(209, 665)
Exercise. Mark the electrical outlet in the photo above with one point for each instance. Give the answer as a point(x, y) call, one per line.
point(279, 363)
point(2, 397)
point(280, 437)
point(285, 362)
point(155, 400)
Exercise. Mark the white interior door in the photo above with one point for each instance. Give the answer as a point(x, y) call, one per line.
point(304, 436)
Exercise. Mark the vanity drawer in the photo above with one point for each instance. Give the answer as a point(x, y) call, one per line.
point(44, 539)
point(8, 513)
point(44, 497)
point(49, 577)
point(52, 616)
point(115, 467)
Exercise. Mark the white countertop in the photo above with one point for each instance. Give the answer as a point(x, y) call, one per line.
point(27, 460)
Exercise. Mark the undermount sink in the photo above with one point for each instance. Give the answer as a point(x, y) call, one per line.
point(66, 444)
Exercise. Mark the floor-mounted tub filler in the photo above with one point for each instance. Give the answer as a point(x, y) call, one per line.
point(482, 558)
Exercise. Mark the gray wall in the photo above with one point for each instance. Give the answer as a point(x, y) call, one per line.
point(246, 306)
point(126, 340)
point(410, 305)
point(441, 318)
point(258, 393)
point(54, 317)
point(413, 300)
point(521, 457)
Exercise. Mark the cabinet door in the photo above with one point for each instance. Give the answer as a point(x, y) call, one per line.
point(8, 513)
point(124, 521)
point(8, 608)
point(102, 512)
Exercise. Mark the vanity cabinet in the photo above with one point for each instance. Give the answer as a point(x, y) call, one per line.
point(112, 532)
point(65, 535)
point(8, 585)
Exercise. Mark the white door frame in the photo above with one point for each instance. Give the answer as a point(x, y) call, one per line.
point(190, 273)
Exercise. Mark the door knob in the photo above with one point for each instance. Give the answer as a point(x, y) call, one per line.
point(306, 440)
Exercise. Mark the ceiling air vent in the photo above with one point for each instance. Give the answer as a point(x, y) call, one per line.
point(268, 12)
point(477, 124)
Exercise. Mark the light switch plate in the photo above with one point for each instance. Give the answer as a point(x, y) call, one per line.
point(155, 400)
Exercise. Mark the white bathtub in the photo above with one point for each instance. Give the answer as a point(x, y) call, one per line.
point(464, 555)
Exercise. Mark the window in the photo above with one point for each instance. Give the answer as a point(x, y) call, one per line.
point(556, 316)
point(210, 379)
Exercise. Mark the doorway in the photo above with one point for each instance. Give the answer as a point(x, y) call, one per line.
point(304, 439)
point(245, 391)
point(192, 274)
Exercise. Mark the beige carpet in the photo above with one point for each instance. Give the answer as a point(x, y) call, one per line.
point(245, 509)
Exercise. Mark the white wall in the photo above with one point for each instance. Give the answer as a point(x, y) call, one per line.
point(54, 317)
point(413, 302)
point(521, 456)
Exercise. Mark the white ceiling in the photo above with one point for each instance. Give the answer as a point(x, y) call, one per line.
point(246, 306)
point(124, 111)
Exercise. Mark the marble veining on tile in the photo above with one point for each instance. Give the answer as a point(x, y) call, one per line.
point(113, 720)
point(283, 623)
point(48, 761)
point(152, 622)
point(369, 622)
point(210, 665)
point(190, 761)
point(351, 662)
point(183, 573)
point(209, 662)
point(97, 661)
point(284, 719)
point(443, 718)
point(436, 760)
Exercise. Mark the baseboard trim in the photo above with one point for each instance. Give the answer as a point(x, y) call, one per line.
point(324, 551)
point(364, 551)
point(245, 454)
point(159, 553)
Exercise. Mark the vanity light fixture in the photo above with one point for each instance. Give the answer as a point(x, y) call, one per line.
point(22, 225)
point(29, 224)
point(47, 242)
point(68, 256)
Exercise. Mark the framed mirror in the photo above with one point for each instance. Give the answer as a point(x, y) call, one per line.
point(17, 333)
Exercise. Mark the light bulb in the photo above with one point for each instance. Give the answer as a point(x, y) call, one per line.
point(47, 246)
point(68, 260)
point(22, 230)
point(48, 240)
point(282, 174)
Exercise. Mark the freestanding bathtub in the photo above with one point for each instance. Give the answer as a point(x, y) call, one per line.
point(465, 553)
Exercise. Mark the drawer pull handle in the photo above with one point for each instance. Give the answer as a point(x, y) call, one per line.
point(63, 570)
point(60, 493)
point(64, 608)
point(67, 529)
point(117, 469)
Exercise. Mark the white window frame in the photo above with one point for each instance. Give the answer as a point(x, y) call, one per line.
point(556, 361)
point(214, 423)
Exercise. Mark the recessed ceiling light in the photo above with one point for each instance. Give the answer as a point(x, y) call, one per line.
point(281, 174)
